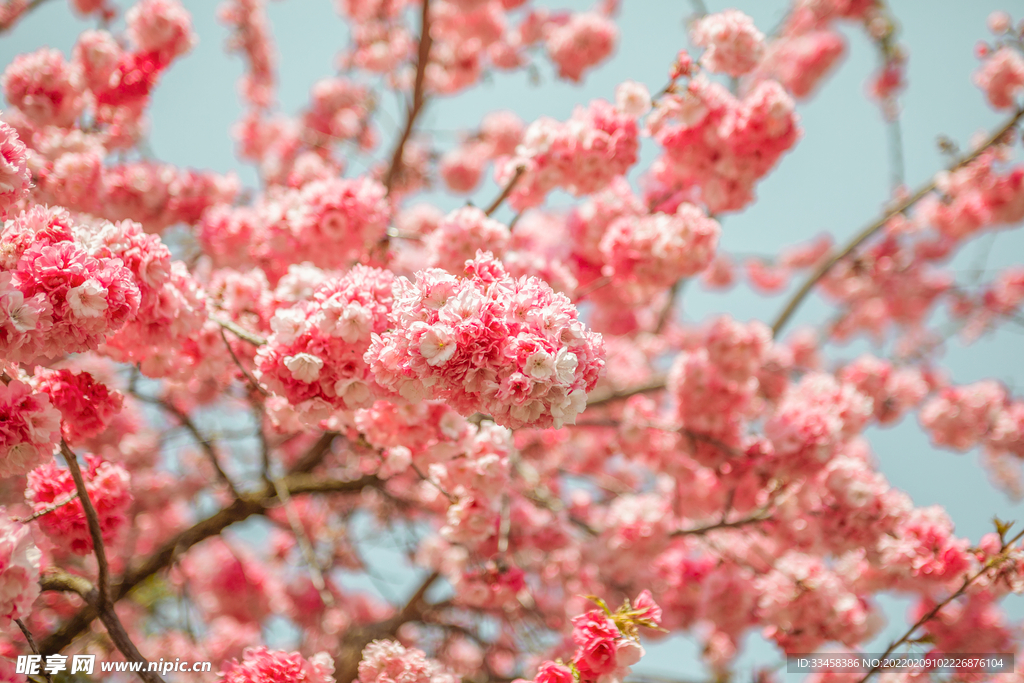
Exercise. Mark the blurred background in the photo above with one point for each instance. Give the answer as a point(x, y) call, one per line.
point(836, 180)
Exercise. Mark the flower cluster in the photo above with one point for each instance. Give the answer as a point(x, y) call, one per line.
point(57, 297)
point(262, 664)
point(86, 405)
point(580, 156)
point(976, 414)
point(974, 197)
point(385, 661)
point(108, 486)
point(718, 146)
point(512, 349)
point(14, 174)
point(316, 352)
point(715, 384)
point(813, 419)
point(29, 429)
point(733, 44)
point(19, 570)
point(805, 605)
point(651, 252)
point(1002, 77)
point(607, 643)
point(462, 233)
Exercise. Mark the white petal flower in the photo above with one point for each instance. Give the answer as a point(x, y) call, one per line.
point(305, 367)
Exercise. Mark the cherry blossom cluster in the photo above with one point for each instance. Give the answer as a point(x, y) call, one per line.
point(513, 349)
point(607, 643)
point(19, 569)
point(86, 405)
point(58, 297)
point(976, 197)
point(316, 352)
point(29, 429)
point(262, 664)
point(108, 487)
point(580, 156)
point(983, 413)
point(385, 661)
point(1001, 76)
point(342, 365)
point(652, 252)
point(717, 146)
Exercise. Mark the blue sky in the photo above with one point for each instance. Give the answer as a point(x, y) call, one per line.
point(835, 180)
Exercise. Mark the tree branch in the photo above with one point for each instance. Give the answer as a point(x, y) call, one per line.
point(244, 507)
point(870, 230)
point(506, 191)
point(347, 662)
point(205, 444)
point(992, 562)
point(239, 331)
point(598, 398)
point(416, 107)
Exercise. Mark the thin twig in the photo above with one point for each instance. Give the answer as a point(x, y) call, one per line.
point(31, 643)
point(47, 510)
point(204, 443)
point(992, 562)
point(252, 380)
point(92, 520)
point(598, 398)
point(506, 191)
point(416, 107)
point(870, 230)
point(239, 331)
point(305, 545)
point(102, 603)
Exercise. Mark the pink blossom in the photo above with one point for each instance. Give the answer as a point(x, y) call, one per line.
point(108, 487)
point(581, 43)
point(1001, 77)
point(261, 664)
point(19, 570)
point(733, 44)
point(29, 429)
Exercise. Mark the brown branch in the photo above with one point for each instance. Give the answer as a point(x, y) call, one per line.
point(205, 444)
point(347, 662)
point(247, 505)
point(248, 375)
point(598, 398)
point(100, 599)
point(316, 453)
point(991, 563)
point(416, 107)
point(506, 191)
point(759, 516)
point(873, 228)
point(239, 331)
point(47, 510)
point(92, 520)
point(31, 642)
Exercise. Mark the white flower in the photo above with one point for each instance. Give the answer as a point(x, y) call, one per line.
point(88, 300)
point(628, 653)
point(288, 324)
point(305, 367)
point(23, 318)
point(565, 366)
point(565, 411)
point(354, 392)
point(632, 99)
point(437, 345)
point(350, 322)
point(540, 365)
